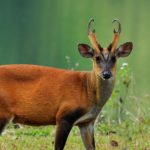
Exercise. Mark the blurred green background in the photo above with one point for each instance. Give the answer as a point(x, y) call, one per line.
point(44, 32)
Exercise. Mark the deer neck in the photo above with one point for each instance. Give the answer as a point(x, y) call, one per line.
point(102, 89)
point(99, 91)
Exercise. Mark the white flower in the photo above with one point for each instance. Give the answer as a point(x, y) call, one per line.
point(122, 68)
point(77, 64)
point(124, 64)
point(67, 57)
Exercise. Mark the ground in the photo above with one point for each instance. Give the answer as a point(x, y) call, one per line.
point(124, 136)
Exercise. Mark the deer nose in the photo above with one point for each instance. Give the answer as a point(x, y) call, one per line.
point(106, 74)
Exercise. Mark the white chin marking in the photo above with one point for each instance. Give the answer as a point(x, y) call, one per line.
point(103, 78)
point(106, 79)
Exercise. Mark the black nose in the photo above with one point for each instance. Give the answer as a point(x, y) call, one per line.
point(106, 74)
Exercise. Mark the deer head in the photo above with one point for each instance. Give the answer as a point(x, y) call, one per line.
point(104, 59)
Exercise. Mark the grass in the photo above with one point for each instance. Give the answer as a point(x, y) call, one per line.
point(124, 136)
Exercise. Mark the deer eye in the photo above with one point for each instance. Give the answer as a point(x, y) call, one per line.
point(113, 59)
point(98, 59)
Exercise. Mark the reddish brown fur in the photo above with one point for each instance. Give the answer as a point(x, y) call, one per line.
point(38, 95)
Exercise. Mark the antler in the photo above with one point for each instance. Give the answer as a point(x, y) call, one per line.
point(92, 37)
point(116, 35)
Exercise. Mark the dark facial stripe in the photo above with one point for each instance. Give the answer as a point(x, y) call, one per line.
point(100, 48)
point(105, 57)
point(109, 47)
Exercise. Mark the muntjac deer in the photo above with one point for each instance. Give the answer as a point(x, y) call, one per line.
point(37, 95)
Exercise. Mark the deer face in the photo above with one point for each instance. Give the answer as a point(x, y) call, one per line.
point(104, 59)
point(104, 62)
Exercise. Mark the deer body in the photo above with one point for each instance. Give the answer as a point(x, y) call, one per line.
point(37, 95)
point(32, 95)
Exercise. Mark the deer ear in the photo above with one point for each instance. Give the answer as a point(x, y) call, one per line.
point(124, 50)
point(85, 50)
